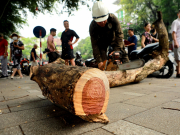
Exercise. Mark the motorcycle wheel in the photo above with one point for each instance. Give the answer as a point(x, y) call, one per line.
point(167, 70)
point(27, 70)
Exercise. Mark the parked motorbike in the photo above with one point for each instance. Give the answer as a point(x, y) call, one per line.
point(166, 71)
point(78, 59)
point(25, 66)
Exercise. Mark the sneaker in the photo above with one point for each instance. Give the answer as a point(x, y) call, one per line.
point(12, 77)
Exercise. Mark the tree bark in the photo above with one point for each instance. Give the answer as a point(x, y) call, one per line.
point(117, 78)
point(82, 91)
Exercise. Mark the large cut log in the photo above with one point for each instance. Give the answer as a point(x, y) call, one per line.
point(160, 57)
point(82, 91)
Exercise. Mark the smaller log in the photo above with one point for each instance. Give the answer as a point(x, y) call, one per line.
point(80, 90)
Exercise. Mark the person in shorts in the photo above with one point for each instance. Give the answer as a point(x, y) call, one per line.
point(67, 45)
point(34, 56)
point(175, 29)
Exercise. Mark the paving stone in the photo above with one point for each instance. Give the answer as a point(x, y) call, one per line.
point(11, 131)
point(176, 100)
point(11, 100)
point(122, 127)
point(119, 98)
point(26, 88)
point(98, 131)
point(133, 94)
point(120, 111)
point(32, 91)
point(66, 124)
point(41, 96)
point(17, 118)
point(4, 109)
point(162, 120)
point(26, 106)
point(153, 100)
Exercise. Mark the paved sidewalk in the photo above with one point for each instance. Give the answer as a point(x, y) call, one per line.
point(134, 109)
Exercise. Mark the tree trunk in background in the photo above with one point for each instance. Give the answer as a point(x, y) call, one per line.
point(117, 78)
point(82, 91)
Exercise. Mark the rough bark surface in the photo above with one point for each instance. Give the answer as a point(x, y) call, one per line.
point(82, 91)
point(117, 78)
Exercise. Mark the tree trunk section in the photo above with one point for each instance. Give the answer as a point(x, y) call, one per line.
point(80, 90)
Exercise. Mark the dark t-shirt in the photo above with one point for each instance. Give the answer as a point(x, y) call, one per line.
point(35, 56)
point(132, 39)
point(66, 37)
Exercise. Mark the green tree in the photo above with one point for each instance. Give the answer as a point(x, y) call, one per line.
point(84, 46)
point(141, 11)
point(13, 13)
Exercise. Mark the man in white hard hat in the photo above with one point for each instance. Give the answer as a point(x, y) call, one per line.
point(105, 30)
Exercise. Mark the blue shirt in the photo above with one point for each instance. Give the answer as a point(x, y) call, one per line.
point(132, 39)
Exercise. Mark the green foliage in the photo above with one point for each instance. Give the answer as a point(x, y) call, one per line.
point(13, 13)
point(141, 11)
point(84, 46)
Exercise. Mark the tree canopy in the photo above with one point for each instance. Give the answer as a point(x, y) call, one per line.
point(13, 13)
point(141, 11)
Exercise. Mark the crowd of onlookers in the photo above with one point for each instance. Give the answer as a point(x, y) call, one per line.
point(104, 30)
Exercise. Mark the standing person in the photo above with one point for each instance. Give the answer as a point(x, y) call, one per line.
point(16, 48)
point(67, 45)
point(176, 37)
point(146, 36)
point(133, 41)
point(53, 53)
point(34, 56)
point(105, 30)
point(3, 55)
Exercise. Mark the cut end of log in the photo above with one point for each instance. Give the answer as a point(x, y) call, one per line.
point(91, 94)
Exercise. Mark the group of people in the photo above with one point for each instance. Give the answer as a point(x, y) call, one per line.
point(67, 45)
point(16, 47)
point(105, 30)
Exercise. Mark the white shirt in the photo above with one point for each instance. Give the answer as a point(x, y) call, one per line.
point(176, 28)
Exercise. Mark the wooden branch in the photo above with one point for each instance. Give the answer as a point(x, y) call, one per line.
point(117, 78)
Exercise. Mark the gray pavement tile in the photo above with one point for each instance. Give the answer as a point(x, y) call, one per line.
point(67, 124)
point(162, 120)
point(120, 111)
point(33, 91)
point(176, 100)
point(133, 94)
point(26, 106)
point(11, 100)
point(122, 127)
point(119, 98)
point(98, 131)
point(25, 87)
point(153, 100)
point(11, 131)
point(4, 109)
point(20, 117)
point(41, 96)
point(1, 99)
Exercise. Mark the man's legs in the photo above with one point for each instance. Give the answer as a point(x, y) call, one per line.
point(178, 67)
point(72, 62)
point(4, 65)
point(177, 58)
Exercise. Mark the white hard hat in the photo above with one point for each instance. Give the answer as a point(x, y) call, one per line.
point(100, 12)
